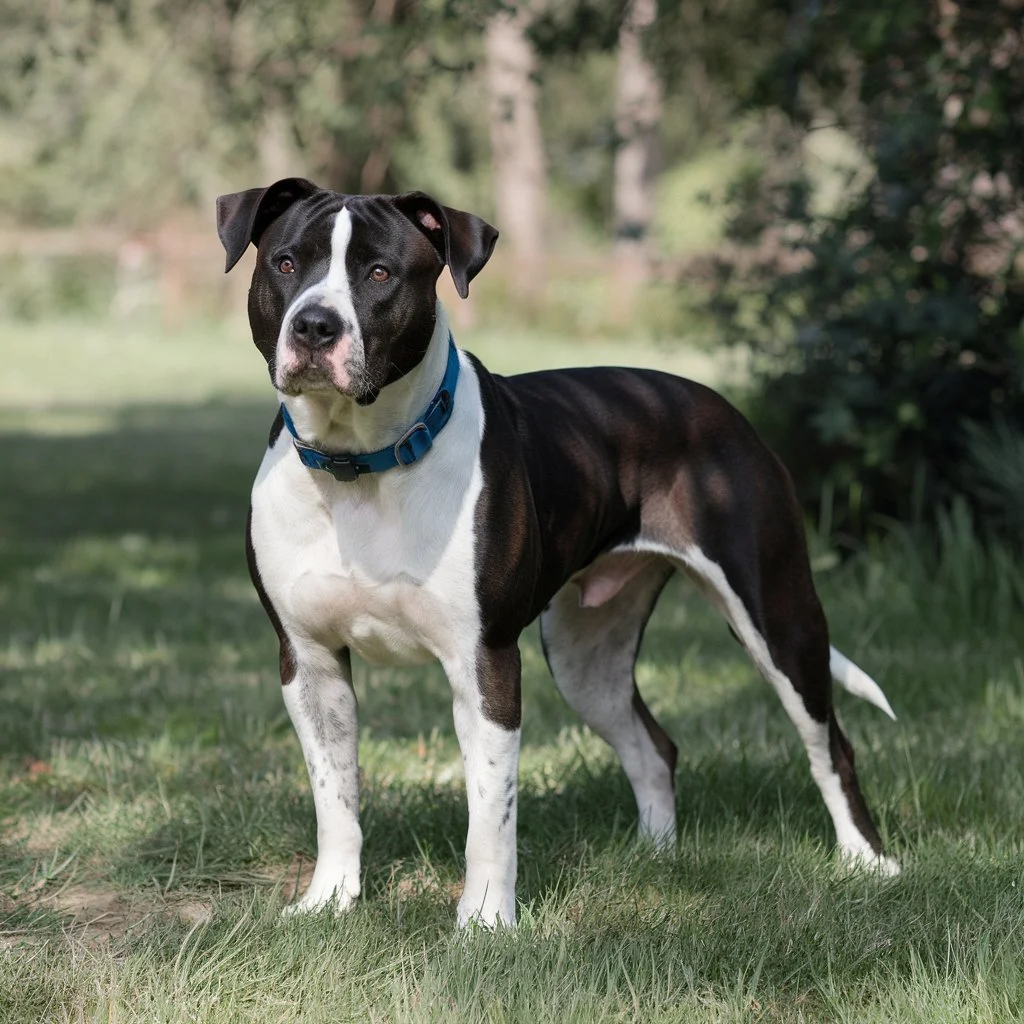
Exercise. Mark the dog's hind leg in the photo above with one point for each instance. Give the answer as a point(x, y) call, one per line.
point(591, 633)
point(777, 617)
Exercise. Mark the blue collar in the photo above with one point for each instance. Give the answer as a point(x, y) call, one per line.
point(409, 448)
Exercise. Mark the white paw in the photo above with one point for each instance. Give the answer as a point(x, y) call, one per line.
point(869, 861)
point(661, 839)
point(488, 917)
point(886, 866)
point(335, 900)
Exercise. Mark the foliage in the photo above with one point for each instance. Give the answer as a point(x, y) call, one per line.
point(706, 52)
point(995, 473)
point(140, 108)
point(137, 110)
point(889, 329)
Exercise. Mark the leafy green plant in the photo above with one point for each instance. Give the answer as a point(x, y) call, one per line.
point(887, 328)
point(995, 473)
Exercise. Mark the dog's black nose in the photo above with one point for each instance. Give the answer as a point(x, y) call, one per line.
point(317, 326)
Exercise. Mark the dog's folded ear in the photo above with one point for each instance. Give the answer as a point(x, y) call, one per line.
point(242, 217)
point(462, 240)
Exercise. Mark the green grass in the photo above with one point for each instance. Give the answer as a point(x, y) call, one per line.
point(155, 812)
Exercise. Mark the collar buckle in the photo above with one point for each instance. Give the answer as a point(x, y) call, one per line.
point(343, 469)
point(413, 444)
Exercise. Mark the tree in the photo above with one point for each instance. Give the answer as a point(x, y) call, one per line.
point(637, 117)
point(517, 149)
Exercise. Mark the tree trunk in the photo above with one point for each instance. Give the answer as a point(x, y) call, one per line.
point(517, 149)
point(278, 154)
point(637, 115)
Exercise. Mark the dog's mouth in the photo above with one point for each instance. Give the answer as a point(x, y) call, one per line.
point(312, 378)
point(317, 373)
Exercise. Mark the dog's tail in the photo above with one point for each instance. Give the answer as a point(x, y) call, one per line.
point(857, 682)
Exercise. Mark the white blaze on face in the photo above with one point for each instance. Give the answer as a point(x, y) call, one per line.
point(335, 292)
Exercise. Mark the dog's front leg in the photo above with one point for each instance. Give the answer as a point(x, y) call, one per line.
point(487, 713)
point(322, 706)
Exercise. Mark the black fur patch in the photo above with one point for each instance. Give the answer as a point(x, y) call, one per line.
point(287, 654)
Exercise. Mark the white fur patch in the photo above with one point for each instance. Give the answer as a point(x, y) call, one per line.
point(490, 756)
point(337, 273)
point(591, 649)
point(334, 291)
point(856, 681)
point(322, 708)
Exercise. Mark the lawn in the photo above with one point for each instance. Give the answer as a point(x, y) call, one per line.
point(155, 813)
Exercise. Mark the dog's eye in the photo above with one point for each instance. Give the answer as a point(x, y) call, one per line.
point(379, 274)
point(285, 265)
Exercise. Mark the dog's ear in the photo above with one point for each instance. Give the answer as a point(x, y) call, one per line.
point(462, 240)
point(242, 217)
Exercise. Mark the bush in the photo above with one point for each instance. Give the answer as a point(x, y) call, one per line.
point(888, 331)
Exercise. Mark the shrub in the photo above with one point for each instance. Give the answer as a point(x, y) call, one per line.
point(888, 331)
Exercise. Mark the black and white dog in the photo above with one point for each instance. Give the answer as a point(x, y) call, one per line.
point(411, 505)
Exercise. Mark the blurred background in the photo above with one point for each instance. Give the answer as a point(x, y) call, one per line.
point(815, 205)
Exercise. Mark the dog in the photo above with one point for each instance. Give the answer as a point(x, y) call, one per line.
point(411, 505)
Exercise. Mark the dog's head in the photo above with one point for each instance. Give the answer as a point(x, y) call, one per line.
point(343, 295)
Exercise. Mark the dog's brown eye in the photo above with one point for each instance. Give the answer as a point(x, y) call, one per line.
point(379, 274)
point(286, 266)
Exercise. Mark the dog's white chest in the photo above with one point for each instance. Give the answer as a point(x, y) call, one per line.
point(388, 622)
point(350, 590)
point(386, 570)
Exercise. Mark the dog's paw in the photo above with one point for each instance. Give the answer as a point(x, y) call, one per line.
point(475, 924)
point(859, 861)
point(886, 866)
point(472, 919)
point(660, 843)
point(334, 901)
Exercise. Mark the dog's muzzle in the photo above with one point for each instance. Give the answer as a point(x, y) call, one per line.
point(315, 352)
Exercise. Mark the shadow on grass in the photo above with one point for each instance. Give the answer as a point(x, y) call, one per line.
point(589, 812)
point(156, 471)
point(728, 802)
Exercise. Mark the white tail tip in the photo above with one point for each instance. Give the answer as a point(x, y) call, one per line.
point(857, 681)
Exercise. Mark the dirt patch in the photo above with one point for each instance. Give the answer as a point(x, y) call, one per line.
point(192, 912)
point(292, 879)
point(423, 883)
point(101, 915)
point(42, 834)
point(97, 916)
point(90, 915)
point(94, 914)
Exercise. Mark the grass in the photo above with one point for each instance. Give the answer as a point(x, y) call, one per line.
point(155, 812)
